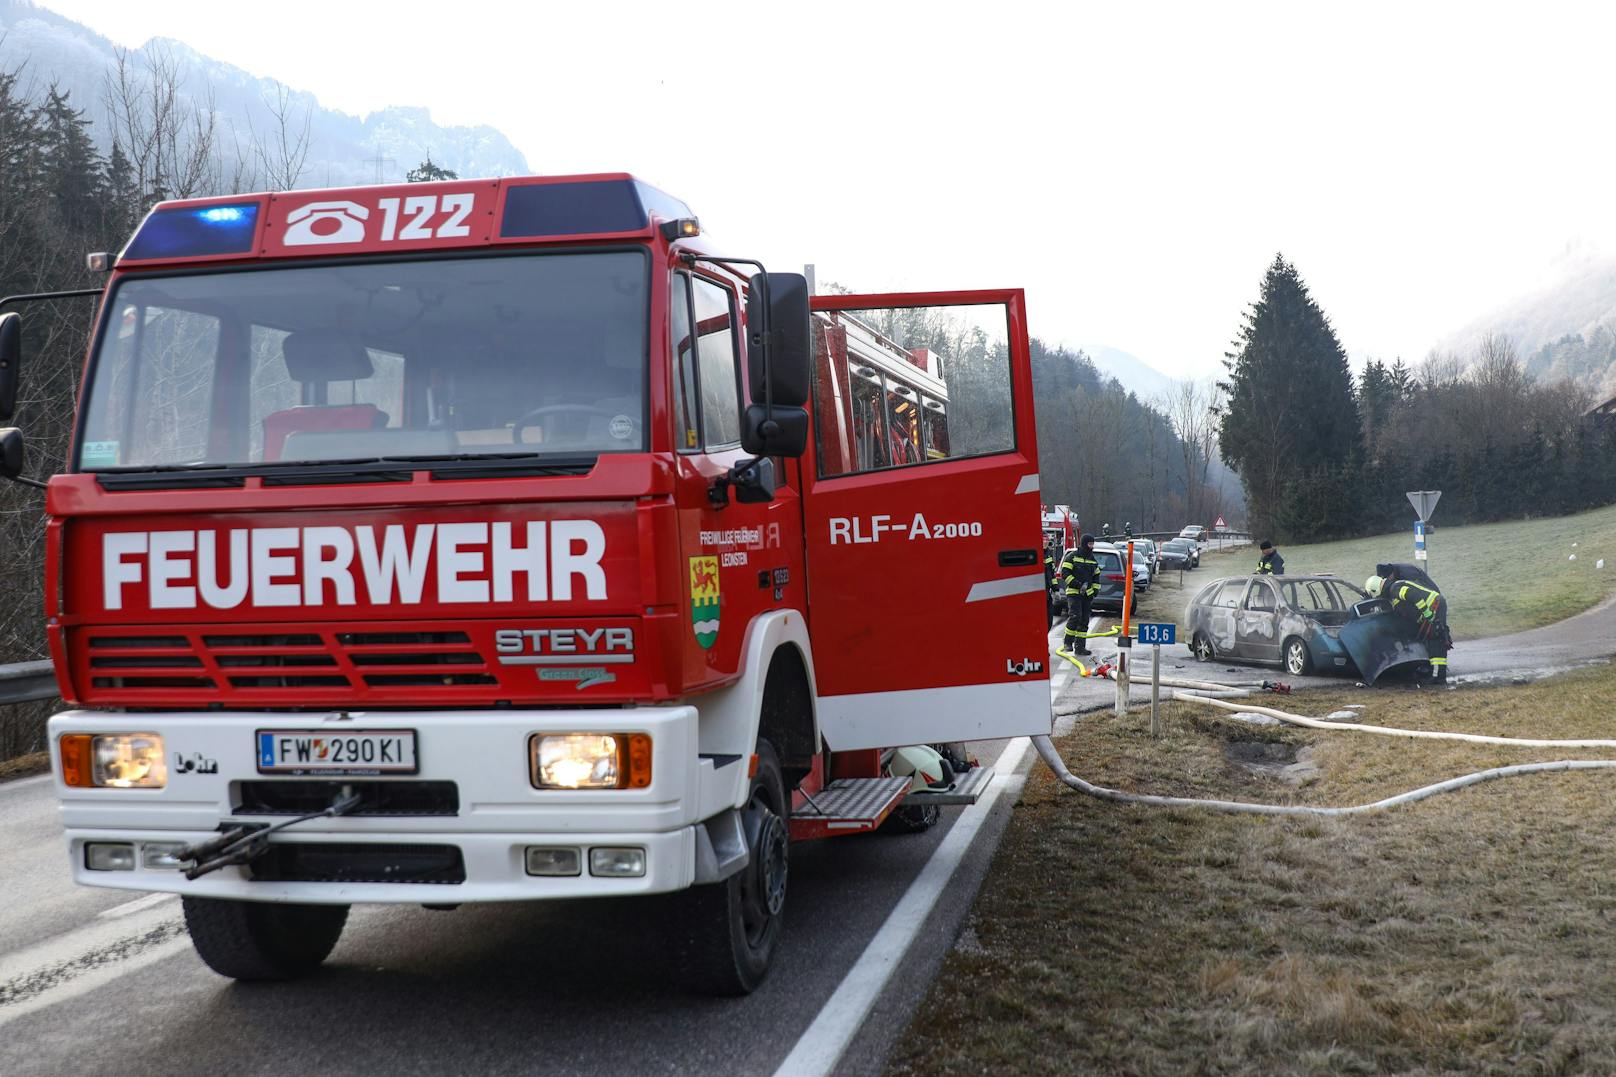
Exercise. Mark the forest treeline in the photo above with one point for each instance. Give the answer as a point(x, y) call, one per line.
point(66, 189)
point(1323, 454)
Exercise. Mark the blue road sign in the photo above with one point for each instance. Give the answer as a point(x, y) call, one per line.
point(1157, 635)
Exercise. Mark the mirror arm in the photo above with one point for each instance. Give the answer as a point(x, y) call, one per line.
point(691, 258)
point(34, 297)
point(22, 480)
point(718, 492)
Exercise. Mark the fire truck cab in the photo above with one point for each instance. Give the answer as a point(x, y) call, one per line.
point(502, 540)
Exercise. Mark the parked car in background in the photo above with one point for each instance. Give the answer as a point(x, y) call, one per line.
point(1112, 581)
point(1180, 552)
point(1194, 532)
point(1292, 621)
point(1141, 571)
point(1148, 549)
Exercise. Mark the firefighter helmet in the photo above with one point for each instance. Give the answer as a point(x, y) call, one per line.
point(1373, 585)
point(923, 764)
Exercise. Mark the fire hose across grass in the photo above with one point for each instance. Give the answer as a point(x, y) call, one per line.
point(1217, 695)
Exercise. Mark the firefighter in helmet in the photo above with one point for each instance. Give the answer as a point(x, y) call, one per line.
point(1422, 606)
point(1081, 571)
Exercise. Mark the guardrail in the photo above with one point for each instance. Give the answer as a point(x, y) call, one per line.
point(26, 682)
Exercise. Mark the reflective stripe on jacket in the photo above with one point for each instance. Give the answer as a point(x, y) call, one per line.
point(1424, 601)
point(1081, 573)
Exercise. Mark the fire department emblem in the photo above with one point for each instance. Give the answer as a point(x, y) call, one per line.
point(704, 599)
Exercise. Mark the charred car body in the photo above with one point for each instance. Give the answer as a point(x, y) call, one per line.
point(1303, 623)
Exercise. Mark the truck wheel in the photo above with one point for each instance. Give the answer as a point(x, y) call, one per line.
point(252, 940)
point(723, 935)
point(912, 818)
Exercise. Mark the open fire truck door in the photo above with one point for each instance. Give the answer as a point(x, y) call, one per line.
point(924, 539)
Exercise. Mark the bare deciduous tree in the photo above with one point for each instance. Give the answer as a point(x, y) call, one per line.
point(282, 150)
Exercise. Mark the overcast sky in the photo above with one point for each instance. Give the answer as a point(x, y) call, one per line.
point(1135, 167)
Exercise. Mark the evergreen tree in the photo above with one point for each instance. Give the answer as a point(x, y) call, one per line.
point(71, 169)
point(1291, 409)
point(122, 196)
point(426, 172)
point(1376, 396)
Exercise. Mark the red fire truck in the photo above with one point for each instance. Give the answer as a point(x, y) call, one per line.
point(503, 540)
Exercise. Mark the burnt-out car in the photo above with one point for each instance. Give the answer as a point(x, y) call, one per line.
point(1292, 621)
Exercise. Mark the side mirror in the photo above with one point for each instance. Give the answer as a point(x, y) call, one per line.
point(754, 484)
point(787, 350)
point(10, 362)
point(776, 431)
point(10, 452)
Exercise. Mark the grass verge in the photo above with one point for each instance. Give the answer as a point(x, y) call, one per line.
point(1469, 932)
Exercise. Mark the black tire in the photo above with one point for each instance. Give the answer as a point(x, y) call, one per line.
point(723, 935)
point(1298, 661)
point(912, 819)
point(252, 940)
point(1202, 648)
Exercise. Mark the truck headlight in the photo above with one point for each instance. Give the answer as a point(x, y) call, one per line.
point(113, 760)
point(591, 760)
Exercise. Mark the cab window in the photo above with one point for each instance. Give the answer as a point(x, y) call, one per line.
point(910, 386)
point(686, 415)
point(713, 310)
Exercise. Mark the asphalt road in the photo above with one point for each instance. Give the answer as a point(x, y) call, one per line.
point(101, 981)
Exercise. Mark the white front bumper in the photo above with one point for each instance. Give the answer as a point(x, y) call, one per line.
point(484, 752)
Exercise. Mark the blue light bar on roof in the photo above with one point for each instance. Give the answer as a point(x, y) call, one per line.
point(587, 207)
point(194, 231)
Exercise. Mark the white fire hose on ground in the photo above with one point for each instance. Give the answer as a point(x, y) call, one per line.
point(1215, 695)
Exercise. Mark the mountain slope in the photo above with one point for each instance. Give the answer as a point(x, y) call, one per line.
point(1565, 331)
point(1133, 373)
point(343, 149)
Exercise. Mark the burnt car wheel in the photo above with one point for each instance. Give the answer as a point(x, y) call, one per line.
point(1202, 648)
point(1297, 659)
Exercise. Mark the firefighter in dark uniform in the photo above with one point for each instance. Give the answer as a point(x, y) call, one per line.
point(1051, 574)
point(1422, 606)
point(1269, 563)
point(1081, 572)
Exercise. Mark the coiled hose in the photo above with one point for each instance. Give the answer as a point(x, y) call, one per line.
point(1212, 694)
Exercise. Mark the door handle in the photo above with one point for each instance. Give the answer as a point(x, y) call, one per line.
point(1017, 558)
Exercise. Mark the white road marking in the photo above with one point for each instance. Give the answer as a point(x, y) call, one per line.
point(23, 783)
point(87, 957)
point(821, 1046)
point(135, 906)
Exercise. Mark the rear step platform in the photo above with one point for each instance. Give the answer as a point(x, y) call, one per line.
point(847, 806)
point(859, 805)
point(967, 788)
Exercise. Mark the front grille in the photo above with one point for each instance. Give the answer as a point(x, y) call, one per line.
point(287, 662)
point(302, 796)
point(358, 862)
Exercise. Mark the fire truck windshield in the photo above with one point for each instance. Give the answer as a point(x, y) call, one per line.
point(541, 354)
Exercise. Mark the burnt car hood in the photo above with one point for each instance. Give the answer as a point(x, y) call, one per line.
point(1381, 641)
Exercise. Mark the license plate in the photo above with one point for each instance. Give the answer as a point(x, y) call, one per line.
point(320, 751)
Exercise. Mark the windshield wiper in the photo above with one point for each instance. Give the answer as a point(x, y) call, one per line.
point(366, 469)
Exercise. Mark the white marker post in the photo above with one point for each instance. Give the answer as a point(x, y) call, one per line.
point(1155, 635)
